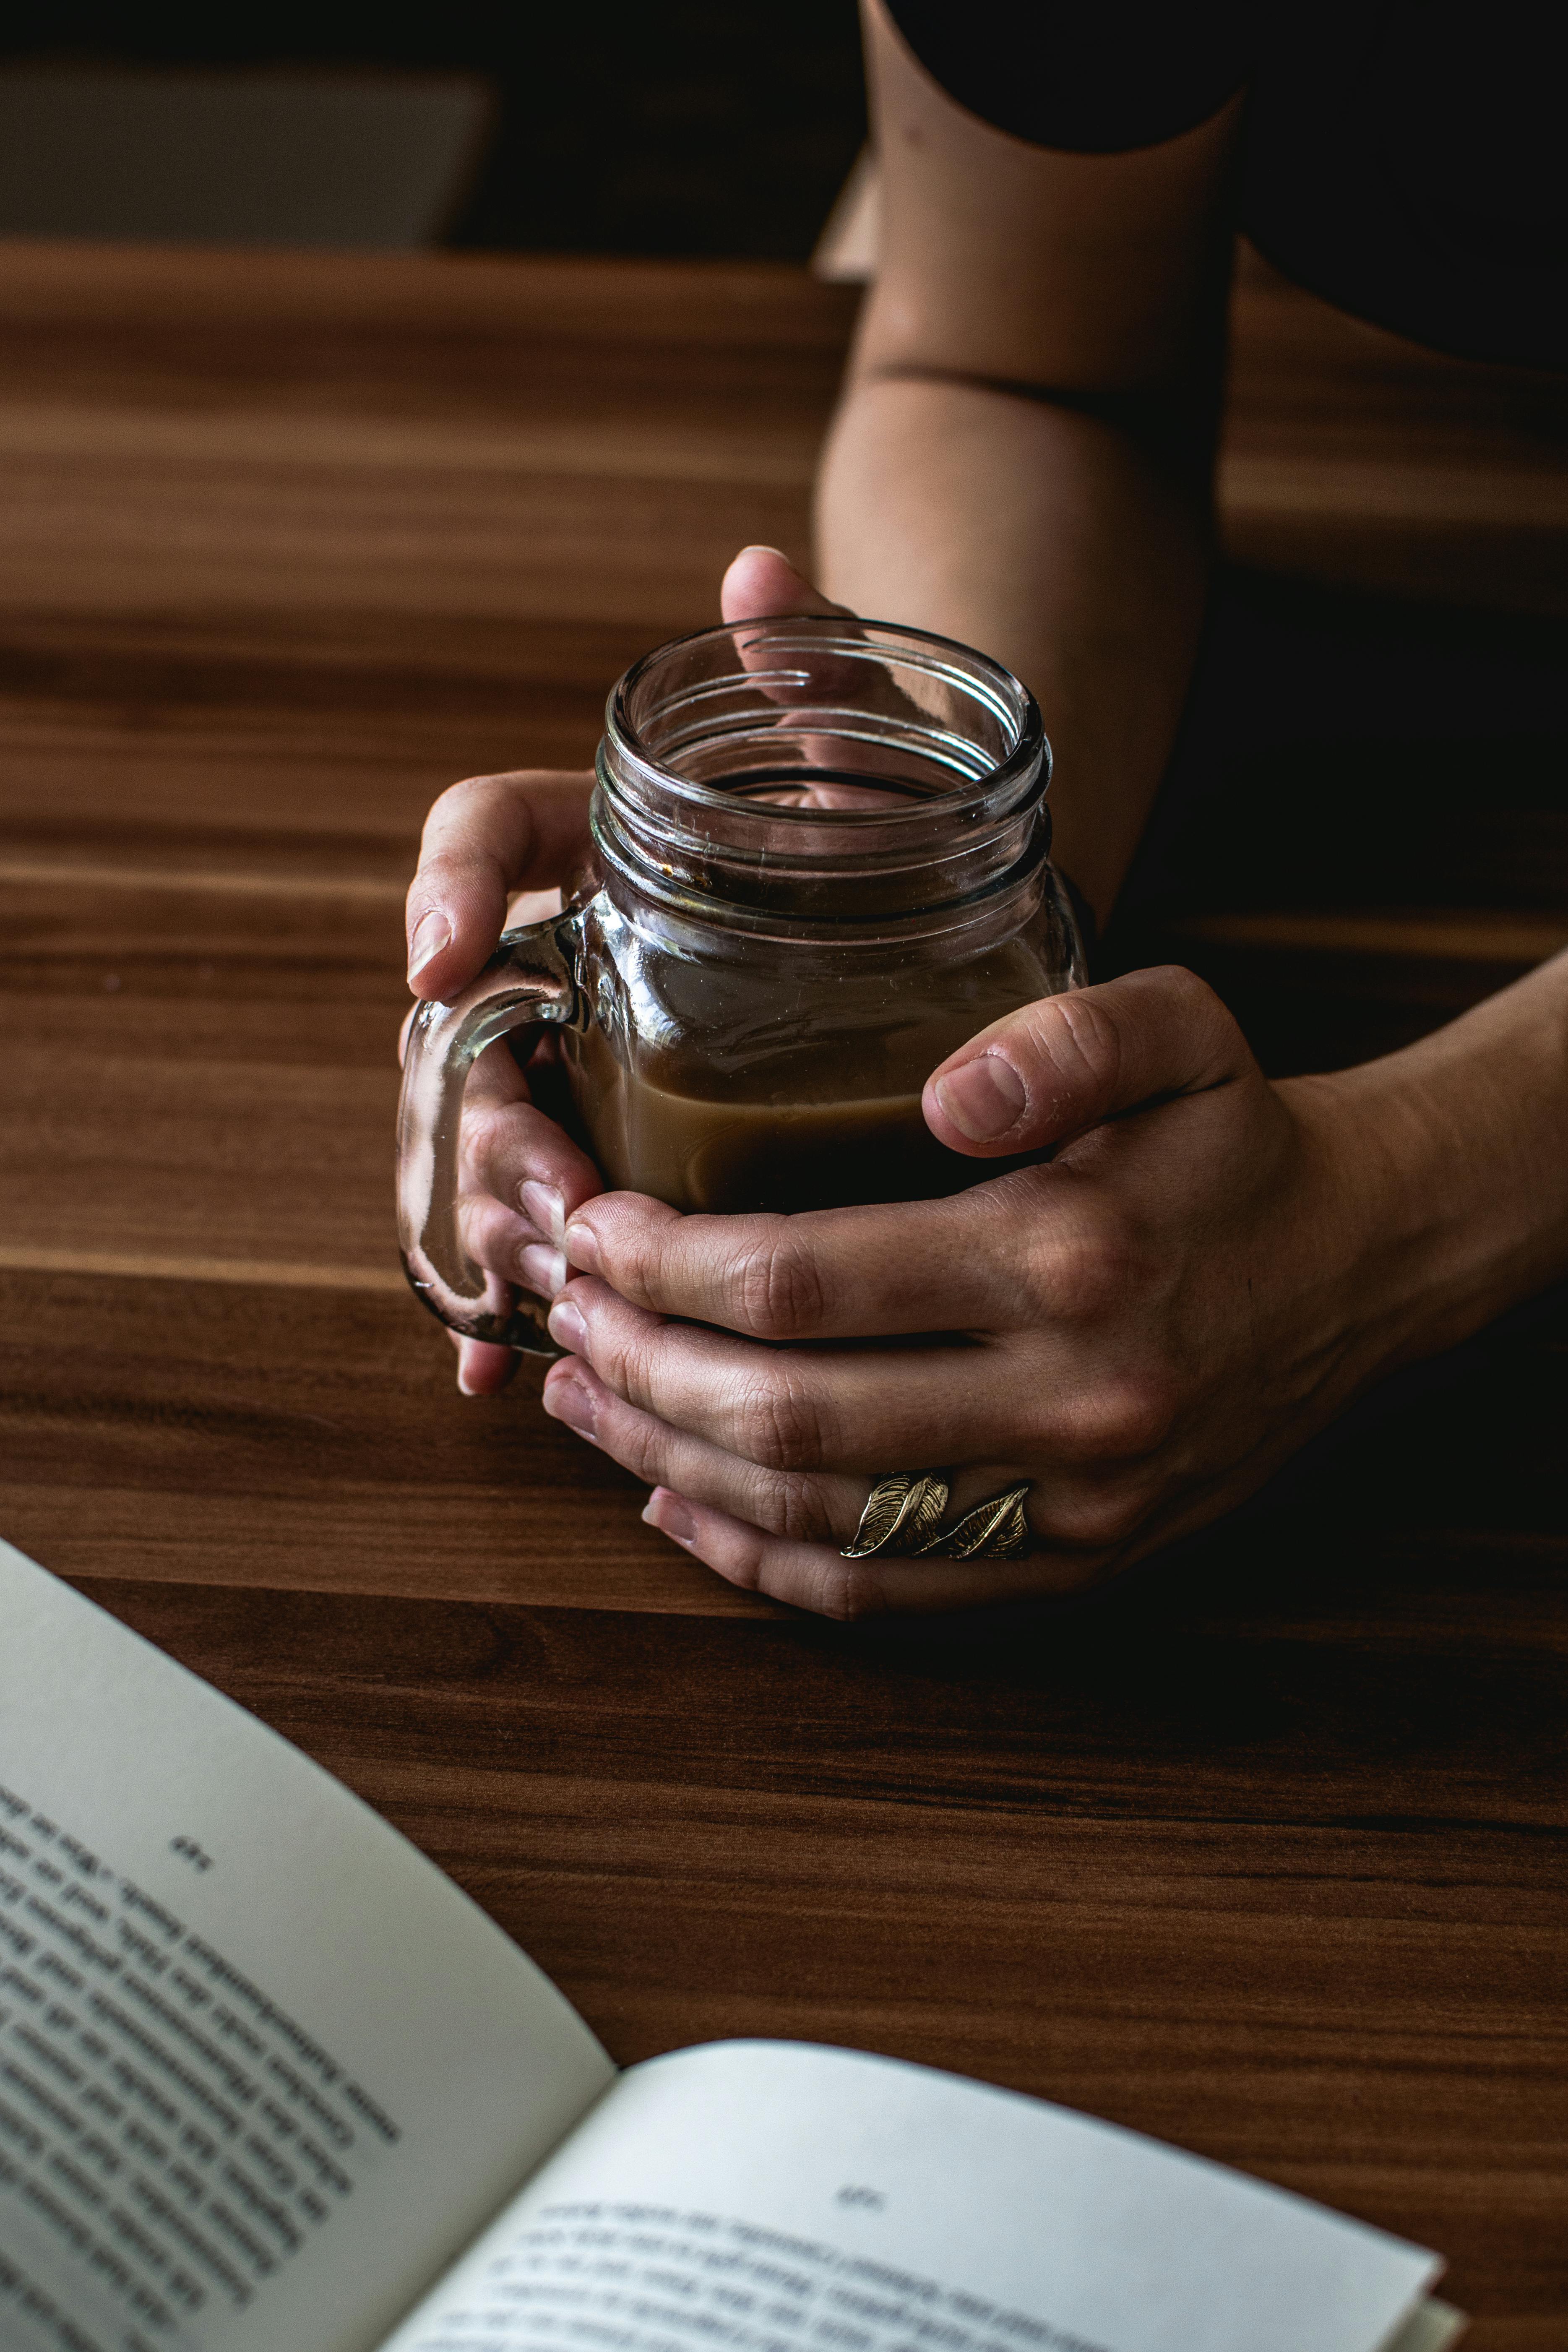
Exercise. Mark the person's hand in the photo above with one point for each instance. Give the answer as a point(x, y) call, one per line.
point(1144, 1326)
point(495, 851)
point(487, 845)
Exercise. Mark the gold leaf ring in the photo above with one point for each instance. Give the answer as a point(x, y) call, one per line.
point(903, 1519)
point(899, 1513)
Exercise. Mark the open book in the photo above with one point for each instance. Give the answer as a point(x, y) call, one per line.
point(270, 2083)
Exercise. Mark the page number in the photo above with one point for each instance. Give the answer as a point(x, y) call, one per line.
point(868, 2201)
point(189, 1851)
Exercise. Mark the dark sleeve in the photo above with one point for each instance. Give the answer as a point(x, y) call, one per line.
point(1095, 76)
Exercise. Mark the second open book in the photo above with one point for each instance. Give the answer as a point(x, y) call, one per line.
point(270, 2083)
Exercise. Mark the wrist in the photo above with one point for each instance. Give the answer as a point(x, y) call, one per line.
point(1373, 1220)
point(1446, 1170)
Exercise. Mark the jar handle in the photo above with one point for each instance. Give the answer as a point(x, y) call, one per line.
point(531, 980)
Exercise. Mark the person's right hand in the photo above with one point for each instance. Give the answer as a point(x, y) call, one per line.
point(495, 851)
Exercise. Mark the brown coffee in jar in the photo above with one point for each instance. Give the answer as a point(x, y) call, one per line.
point(842, 1127)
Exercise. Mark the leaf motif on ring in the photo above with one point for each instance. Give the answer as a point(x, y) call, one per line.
point(900, 1514)
point(994, 1530)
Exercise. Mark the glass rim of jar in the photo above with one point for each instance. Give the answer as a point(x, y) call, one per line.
point(1023, 772)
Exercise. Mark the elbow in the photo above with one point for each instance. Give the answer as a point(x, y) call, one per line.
point(1174, 427)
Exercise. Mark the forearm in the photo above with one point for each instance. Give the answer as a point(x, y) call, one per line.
point(1043, 537)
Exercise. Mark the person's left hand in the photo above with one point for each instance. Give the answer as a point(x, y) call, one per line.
point(1145, 1326)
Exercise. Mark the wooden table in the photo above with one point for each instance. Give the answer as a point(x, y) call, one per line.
point(1266, 1857)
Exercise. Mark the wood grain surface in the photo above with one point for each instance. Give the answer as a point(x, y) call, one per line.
point(1263, 1853)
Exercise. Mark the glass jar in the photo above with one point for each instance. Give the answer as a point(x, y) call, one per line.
point(819, 866)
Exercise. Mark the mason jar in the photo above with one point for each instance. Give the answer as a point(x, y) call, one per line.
point(819, 866)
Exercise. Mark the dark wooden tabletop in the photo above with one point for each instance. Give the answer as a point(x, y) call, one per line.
point(1264, 1854)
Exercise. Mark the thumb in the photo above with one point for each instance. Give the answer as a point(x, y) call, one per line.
point(762, 580)
point(483, 839)
point(1060, 1066)
point(762, 584)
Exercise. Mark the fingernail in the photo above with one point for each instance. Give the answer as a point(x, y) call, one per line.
point(545, 1271)
point(543, 1205)
point(984, 1098)
point(568, 1327)
point(464, 1387)
point(669, 1515)
point(431, 933)
point(569, 1401)
point(581, 1246)
point(761, 546)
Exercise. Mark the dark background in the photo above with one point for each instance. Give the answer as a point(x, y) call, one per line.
point(682, 128)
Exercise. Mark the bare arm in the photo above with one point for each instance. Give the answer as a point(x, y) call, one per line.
point(1023, 453)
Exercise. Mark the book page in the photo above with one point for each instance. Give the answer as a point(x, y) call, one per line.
point(773, 2197)
point(263, 2070)
point(1431, 2327)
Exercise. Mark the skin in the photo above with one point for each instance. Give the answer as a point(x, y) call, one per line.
point(1211, 1266)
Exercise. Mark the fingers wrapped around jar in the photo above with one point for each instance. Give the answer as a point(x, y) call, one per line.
point(1100, 1350)
point(521, 1176)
